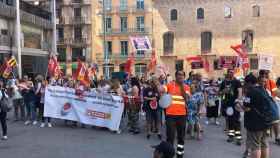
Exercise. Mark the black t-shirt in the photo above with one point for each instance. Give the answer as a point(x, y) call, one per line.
point(232, 94)
point(150, 92)
point(254, 100)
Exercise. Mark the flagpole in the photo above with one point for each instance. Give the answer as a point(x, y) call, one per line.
point(54, 47)
point(18, 37)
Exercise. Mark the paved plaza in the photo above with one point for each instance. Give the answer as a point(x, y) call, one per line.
point(67, 142)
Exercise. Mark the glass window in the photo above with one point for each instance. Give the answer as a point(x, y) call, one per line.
point(109, 48)
point(173, 15)
point(228, 12)
point(9, 2)
point(61, 54)
point(200, 13)
point(140, 23)
point(179, 65)
point(140, 4)
point(4, 32)
point(60, 33)
point(123, 24)
point(248, 39)
point(111, 69)
point(206, 42)
point(256, 11)
point(108, 24)
point(77, 33)
point(123, 4)
point(140, 69)
point(77, 12)
point(124, 48)
point(77, 53)
point(168, 42)
point(108, 4)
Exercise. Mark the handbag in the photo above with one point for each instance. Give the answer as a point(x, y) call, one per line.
point(5, 103)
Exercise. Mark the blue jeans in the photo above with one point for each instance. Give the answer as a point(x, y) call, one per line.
point(31, 111)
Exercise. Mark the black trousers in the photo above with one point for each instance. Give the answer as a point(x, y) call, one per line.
point(176, 124)
point(234, 126)
point(3, 118)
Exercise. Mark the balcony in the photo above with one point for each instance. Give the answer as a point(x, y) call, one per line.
point(7, 11)
point(72, 41)
point(10, 12)
point(135, 9)
point(73, 21)
point(128, 31)
point(5, 40)
point(125, 9)
point(75, 2)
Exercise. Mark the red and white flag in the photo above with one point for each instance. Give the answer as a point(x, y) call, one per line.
point(153, 62)
point(242, 53)
point(129, 63)
point(53, 67)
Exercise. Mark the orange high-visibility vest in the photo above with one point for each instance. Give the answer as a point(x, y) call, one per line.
point(271, 87)
point(178, 104)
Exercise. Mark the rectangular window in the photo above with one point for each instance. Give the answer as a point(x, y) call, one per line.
point(77, 12)
point(77, 53)
point(140, 70)
point(9, 2)
point(108, 4)
point(206, 42)
point(140, 23)
point(4, 32)
point(123, 24)
point(77, 33)
point(248, 39)
point(58, 13)
point(108, 24)
point(228, 13)
point(124, 48)
point(60, 32)
point(179, 65)
point(61, 54)
point(140, 4)
point(109, 48)
point(123, 5)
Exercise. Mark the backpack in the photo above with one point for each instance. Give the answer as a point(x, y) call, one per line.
point(270, 111)
point(5, 103)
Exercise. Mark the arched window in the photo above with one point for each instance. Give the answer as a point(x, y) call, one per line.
point(200, 13)
point(173, 15)
point(248, 39)
point(256, 11)
point(168, 42)
point(206, 42)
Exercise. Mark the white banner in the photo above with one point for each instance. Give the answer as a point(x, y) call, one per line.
point(90, 108)
point(265, 62)
point(140, 43)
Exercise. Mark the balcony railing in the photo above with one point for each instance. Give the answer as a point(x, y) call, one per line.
point(73, 41)
point(73, 20)
point(7, 11)
point(122, 31)
point(10, 12)
point(5, 40)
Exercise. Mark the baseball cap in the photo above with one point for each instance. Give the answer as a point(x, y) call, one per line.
point(166, 148)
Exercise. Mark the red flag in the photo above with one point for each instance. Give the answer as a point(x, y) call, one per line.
point(129, 63)
point(82, 74)
point(242, 53)
point(153, 61)
point(53, 67)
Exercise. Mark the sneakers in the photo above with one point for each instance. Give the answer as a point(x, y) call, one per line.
point(27, 122)
point(34, 123)
point(49, 125)
point(42, 125)
point(5, 138)
point(217, 123)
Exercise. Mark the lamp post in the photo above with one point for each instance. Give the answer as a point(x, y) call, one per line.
point(106, 55)
point(18, 37)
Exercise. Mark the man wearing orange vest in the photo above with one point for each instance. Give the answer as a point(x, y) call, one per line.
point(175, 114)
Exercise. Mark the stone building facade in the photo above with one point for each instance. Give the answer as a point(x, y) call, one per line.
point(209, 27)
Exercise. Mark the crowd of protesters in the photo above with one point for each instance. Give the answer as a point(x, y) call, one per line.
point(211, 98)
